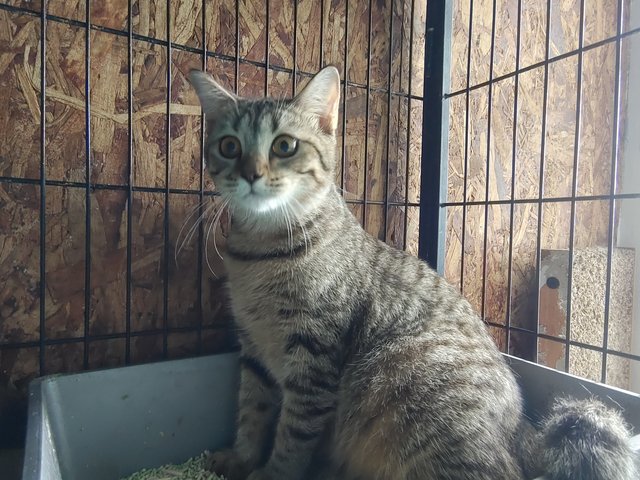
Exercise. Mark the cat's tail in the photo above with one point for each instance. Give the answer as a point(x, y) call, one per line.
point(584, 439)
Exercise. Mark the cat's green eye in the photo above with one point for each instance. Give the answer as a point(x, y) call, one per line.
point(284, 146)
point(230, 147)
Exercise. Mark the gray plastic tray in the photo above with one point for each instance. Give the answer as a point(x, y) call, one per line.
point(107, 424)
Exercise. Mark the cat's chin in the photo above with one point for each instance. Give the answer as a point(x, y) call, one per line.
point(258, 205)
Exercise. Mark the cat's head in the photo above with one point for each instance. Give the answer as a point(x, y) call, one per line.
point(269, 157)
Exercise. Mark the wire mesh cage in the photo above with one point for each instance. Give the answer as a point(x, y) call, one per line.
point(540, 179)
point(494, 138)
point(104, 260)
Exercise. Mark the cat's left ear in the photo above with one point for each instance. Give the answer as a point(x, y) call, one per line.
point(214, 98)
point(321, 97)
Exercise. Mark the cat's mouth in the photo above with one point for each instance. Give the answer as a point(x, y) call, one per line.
point(258, 200)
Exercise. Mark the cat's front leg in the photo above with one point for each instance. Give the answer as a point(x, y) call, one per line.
point(309, 403)
point(258, 405)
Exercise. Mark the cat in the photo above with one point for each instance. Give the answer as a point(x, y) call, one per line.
point(356, 357)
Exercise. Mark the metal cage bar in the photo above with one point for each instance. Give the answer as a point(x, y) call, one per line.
point(435, 115)
point(87, 217)
point(488, 164)
point(43, 184)
point(267, 46)
point(345, 80)
point(366, 120)
point(167, 179)
point(466, 144)
point(294, 73)
point(385, 221)
point(512, 203)
point(201, 197)
point(574, 187)
point(543, 143)
point(408, 139)
point(129, 286)
point(612, 187)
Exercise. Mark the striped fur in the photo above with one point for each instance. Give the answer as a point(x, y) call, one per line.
point(355, 356)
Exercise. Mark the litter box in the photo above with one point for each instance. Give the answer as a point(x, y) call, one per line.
point(107, 424)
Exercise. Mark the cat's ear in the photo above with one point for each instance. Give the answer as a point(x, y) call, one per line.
point(214, 98)
point(321, 97)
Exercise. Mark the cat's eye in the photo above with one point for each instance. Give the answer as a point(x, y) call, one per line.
point(284, 146)
point(230, 147)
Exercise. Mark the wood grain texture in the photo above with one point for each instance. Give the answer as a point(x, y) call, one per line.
point(166, 154)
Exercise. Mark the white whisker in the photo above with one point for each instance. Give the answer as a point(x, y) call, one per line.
point(206, 249)
point(212, 224)
point(191, 213)
point(192, 230)
point(180, 245)
point(289, 227)
point(215, 228)
point(345, 192)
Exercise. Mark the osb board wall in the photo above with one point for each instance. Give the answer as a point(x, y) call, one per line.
point(495, 141)
point(392, 163)
point(588, 304)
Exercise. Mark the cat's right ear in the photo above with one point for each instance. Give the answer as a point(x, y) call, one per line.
point(321, 97)
point(214, 98)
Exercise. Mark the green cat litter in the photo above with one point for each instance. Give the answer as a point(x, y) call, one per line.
point(192, 469)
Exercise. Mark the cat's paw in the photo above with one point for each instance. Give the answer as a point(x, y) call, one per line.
point(228, 464)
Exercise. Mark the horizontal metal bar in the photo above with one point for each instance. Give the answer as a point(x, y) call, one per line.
point(585, 198)
point(103, 186)
point(551, 60)
point(195, 50)
point(112, 336)
point(382, 203)
point(629, 356)
point(179, 191)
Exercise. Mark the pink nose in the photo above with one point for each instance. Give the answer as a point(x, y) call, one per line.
point(253, 167)
point(251, 176)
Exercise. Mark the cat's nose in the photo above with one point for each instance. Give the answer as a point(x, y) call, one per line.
point(251, 176)
point(253, 167)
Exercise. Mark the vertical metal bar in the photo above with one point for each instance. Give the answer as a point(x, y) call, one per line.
point(543, 144)
point(201, 186)
point(408, 150)
point(514, 153)
point(366, 119)
point(43, 181)
point(466, 147)
point(488, 165)
point(237, 69)
point(389, 77)
point(87, 173)
point(267, 47)
point(167, 169)
point(127, 354)
point(574, 186)
point(435, 133)
point(344, 96)
point(612, 186)
point(321, 33)
point(295, 46)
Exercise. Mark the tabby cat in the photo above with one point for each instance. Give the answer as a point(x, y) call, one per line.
point(358, 361)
